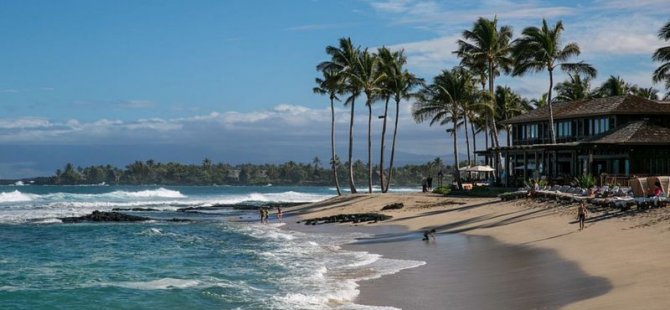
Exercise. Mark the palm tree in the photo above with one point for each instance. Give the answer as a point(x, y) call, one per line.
point(331, 85)
point(508, 105)
point(647, 93)
point(614, 86)
point(487, 44)
point(575, 88)
point(368, 75)
point(479, 76)
point(539, 49)
point(398, 83)
point(662, 55)
point(539, 102)
point(388, 62)
point(442, 102)
point(343, 61)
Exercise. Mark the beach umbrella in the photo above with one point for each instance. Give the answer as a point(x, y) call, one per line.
point(480, 169)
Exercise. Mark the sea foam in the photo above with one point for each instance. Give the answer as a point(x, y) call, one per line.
point(15, 196)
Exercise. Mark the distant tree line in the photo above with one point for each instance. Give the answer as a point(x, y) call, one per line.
point(209, 173)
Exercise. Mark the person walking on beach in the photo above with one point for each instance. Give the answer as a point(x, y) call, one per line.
point(581, 214)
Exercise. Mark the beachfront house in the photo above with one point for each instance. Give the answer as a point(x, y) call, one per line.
point(611, 138)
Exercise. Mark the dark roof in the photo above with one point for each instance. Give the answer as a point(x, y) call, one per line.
point(641, 132)
point(619, 105)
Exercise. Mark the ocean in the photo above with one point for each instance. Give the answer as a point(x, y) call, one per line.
point(223, 259)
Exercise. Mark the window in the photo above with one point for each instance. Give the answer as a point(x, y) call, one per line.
point(563, 129)
point(599, 125)
point(528, 132)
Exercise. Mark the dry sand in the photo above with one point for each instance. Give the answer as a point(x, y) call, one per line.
point(631, 250)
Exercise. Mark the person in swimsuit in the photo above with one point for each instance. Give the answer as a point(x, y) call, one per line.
point(581, 214)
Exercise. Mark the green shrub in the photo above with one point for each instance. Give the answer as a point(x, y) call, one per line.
point(585, 181)
point(540, 182)
point(443, 190)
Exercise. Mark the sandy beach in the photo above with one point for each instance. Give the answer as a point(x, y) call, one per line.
point(542, 260)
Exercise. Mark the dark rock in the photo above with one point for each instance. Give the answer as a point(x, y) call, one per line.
point(98, 216)
point(242, 206)
point(348, 218)
point(135, 209)
point(179, 220)
point(393, 206)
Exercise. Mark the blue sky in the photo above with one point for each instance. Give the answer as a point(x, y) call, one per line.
point(96, 82)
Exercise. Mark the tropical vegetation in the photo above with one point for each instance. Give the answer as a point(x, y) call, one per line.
point(539, 49)
point(465, 99)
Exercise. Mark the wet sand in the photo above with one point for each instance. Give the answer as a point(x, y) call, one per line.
point(532, 254)
point(475, 272)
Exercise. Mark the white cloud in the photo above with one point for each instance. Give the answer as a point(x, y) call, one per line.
point(632, 34)
point(430, 56)
point(25, 123)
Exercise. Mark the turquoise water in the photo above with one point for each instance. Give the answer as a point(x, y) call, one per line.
point(219, 260)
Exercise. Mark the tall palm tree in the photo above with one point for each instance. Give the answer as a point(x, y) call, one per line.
point(575, 88)
point(539, 49)
point(331, 85)
point(398, 84)
point(614, 86)
point(487, 44)
point(442, 101)
point(343, 61)
point(389, 62)
point(368, 75)
point(662, 55)
point(479, 76)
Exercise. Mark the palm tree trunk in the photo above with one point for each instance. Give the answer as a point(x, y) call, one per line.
point(381, 155)
point(467, 140)
point(332, 144)
point(486, 136)
point(474, 142)
point(457, 173)
point(551, 110)
point(494, 129)
point(395, 133)
point(352, 186)
point(369, 104)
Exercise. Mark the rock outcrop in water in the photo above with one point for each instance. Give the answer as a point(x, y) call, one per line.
point(135, 209)
point(348, 218)
point(271, 205)
point(100, 216)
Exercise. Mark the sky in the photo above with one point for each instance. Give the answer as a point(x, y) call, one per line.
point(111, 82)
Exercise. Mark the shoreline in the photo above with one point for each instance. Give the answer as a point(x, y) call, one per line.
point(625, 250)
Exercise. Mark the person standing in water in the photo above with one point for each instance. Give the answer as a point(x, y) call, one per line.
point(280, 214)
point(581, 214)
point(429, 234)
point(262, 215)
